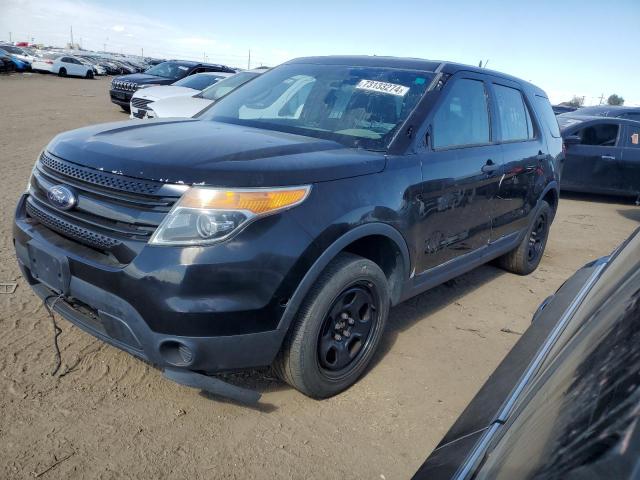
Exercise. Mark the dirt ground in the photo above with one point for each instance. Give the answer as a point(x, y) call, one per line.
point(112, 416)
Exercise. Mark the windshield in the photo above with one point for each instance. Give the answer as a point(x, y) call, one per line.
point(227, 85)
point(566, 122)
point(356, 106)
point(168, 70)
point(198, 81)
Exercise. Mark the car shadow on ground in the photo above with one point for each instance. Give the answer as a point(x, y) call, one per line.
point(630, 213)
point(403, 316)
point(593, 197)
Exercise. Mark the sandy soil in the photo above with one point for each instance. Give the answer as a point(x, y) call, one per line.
point(112, 416)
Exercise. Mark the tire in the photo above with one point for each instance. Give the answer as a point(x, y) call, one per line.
point(89, 75)
point(62, 72)
point(312, 358)
point(126, 108)
point(526, 257)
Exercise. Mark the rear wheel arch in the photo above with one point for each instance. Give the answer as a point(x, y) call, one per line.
point(551, 195)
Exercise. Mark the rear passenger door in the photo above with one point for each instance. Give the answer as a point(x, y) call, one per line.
point(630, 168)
point(595, 163)
point(523, 151)
point(461, 169)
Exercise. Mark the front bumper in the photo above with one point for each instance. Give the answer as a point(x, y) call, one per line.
point(157, 318)
point(120, 97)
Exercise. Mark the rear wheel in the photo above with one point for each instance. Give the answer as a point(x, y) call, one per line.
point(338, 328)
point(62, 72)
point(526, 257)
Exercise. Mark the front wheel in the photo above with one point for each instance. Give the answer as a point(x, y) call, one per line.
point(337, 329)
point(62, 72)
point(526, 257)
point(89, 74)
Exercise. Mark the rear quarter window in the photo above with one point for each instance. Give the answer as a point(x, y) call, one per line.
point(543, 107)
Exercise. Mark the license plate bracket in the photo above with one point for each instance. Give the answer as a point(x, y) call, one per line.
point(49, 268)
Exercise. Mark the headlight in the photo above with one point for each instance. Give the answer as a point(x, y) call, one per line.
point(209, 215)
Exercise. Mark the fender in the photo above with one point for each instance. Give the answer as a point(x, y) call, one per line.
point(330, 253)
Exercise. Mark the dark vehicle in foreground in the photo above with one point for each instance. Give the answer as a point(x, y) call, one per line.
point(165, 73)
point(615, 111)
point(602, 155)
point(279, 226)
point(565, 402)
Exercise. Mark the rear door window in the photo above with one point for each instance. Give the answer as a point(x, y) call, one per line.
point(463, 117)
point(601, 135)
point(513, 114)
point(543, 107)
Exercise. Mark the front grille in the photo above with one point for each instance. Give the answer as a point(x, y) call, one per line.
point(99, 177)
point(122, 85)
point(68, 229)
point(140, 102)
point(113, 214)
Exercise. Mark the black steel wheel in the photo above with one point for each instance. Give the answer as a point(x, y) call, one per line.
point(526, 257)
point(337, 329)
point(347, 328)
point(537, 238)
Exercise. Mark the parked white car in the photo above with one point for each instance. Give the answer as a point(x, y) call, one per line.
point(97, 69)
point(187, 86)
point(44, 63)
point(188, 106)
point(71, 66)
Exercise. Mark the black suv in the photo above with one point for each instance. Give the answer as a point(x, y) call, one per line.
point(279, 226)
point(165, 73)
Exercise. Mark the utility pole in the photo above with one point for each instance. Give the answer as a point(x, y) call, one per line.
point(601, 98)
point(142, 52)
point(10, 38)
point(249, 61)
point(104, 47)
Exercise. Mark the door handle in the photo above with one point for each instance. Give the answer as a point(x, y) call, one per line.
point(608, 157)
point(489, 167)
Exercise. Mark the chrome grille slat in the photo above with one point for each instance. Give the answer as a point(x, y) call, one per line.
point(118, 228)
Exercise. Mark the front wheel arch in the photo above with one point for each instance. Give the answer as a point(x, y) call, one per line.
point(340, 245)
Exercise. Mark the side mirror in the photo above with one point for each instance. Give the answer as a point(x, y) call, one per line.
point(572, 140)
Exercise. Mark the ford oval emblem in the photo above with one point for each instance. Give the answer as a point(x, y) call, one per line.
point(62, 197)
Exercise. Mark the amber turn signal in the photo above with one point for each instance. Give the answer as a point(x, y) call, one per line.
point(257, 201)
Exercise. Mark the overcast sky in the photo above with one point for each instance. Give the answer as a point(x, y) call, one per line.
point(572, 47)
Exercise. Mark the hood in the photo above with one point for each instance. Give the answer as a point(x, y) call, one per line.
point(156, 93)
point(182, 106)
point(205, 152)
point(144, 79)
